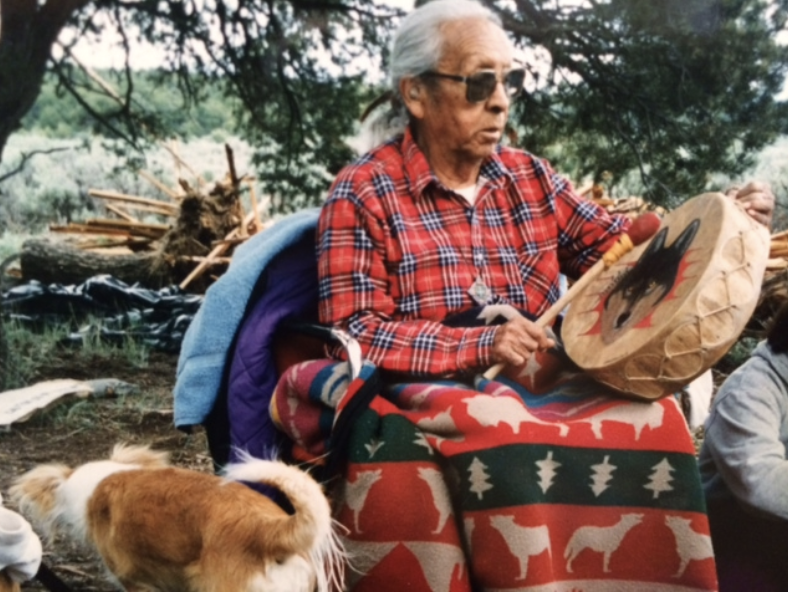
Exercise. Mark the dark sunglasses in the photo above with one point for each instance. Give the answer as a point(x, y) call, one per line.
point(480, 86)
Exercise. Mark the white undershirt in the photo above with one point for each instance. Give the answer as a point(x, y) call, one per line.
point(470, 192)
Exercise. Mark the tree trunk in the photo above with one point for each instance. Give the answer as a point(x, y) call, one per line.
point(55, 262)
point(4, 352)
point(28, 28)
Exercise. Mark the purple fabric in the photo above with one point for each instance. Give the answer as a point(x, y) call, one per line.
point(749, 550)
point(288, 290)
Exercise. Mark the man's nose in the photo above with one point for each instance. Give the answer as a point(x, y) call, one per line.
point(499, 100)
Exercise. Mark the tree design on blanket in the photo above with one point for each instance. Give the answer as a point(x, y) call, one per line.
point(661, 478)
point(547, 471)
point(603, 473)
point(478, 478)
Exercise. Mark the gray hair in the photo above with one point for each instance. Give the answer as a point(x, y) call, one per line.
point(418, 44)
point(417, 47)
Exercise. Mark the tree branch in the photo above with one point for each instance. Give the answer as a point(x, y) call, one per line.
point(26, 156)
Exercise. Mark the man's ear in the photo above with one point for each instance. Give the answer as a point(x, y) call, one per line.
point(413, 95)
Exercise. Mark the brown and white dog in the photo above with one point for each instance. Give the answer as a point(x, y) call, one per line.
point(159, 527)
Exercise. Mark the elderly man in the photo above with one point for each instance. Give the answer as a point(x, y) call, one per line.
point(442, 217)
point(440, 220)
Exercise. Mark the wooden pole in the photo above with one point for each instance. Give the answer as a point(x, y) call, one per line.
point(158, 184)
point(120, 212)
point(256, 223)
point(126, 224)
point(236, 186)
point(162, 207)
point(214, 261)
point(184, 164)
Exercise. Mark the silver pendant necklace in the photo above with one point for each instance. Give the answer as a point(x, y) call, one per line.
point(479, 291)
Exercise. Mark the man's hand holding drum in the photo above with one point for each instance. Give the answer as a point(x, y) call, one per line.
point(757, 200)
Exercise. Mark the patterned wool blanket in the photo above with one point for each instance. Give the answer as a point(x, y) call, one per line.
point(451, 487)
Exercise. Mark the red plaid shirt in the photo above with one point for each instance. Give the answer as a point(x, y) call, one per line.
point(398, 251)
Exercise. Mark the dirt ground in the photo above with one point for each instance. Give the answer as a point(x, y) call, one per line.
point(77, 432)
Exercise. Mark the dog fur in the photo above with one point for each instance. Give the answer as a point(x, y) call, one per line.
point(7, 584)
point(163, 528)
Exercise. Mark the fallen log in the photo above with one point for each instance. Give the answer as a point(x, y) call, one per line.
point(57, 262)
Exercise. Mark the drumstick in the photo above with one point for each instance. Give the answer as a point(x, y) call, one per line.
point(642, 229)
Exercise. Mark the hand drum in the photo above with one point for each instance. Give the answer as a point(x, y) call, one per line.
point(673, 306)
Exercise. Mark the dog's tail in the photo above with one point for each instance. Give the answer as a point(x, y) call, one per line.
point(36, 495)
point(311, 527)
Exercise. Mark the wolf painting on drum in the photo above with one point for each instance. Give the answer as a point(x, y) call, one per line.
point(641, 288)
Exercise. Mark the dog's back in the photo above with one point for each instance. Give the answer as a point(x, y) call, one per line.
point(310, 529)
point(188, 531)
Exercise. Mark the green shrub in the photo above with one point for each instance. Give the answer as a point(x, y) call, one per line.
point(739, 353)
point(29, 351)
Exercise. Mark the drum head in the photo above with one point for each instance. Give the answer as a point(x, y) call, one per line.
point(669, 309)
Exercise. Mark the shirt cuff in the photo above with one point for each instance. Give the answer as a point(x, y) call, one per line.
point(475, 349)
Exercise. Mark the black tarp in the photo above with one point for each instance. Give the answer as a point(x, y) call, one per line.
point(106, 308)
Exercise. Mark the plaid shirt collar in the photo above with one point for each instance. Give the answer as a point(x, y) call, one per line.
point(420, 175)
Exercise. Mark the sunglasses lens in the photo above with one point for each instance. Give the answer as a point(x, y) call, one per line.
point(514, 81)
point(480, 86)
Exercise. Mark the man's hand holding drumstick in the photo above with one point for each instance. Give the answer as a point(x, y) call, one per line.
point(517, 340)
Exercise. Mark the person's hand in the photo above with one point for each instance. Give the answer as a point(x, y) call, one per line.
point(757, 199)
point(517, 340)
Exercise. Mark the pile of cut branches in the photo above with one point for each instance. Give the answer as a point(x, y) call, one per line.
point(186, 238)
